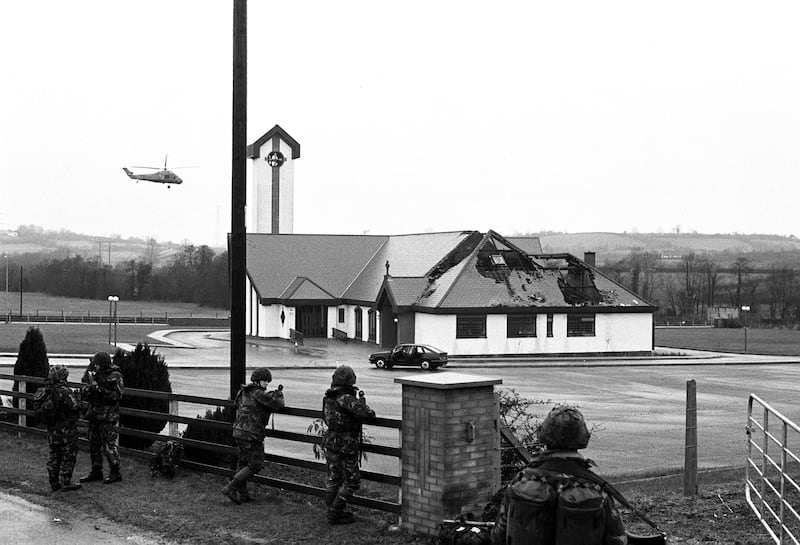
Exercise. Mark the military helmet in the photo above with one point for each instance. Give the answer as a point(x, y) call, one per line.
point(343, 376)
point(102, 359)
point(262, 373)
point(564, 428)
point(58, 373)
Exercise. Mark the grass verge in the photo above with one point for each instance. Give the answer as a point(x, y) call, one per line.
point(191, 509)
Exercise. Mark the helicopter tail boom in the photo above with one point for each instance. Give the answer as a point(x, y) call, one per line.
point(128, 172)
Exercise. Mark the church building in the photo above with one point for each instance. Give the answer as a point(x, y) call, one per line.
point(466, 292)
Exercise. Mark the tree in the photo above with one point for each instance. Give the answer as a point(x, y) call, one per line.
point(31, 362)
point(781, 287)
point(145, 370)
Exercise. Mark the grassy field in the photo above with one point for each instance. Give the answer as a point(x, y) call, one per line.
point(775, 342)
point(33, 303)
point(86, 338)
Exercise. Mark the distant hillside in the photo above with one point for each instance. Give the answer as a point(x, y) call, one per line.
point(611, 247)
point(63, 243)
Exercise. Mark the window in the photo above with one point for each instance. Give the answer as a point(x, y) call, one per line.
point(470, 327)
point(580, 325)
point(341, 315)
point(549, 325)
point(521, 325)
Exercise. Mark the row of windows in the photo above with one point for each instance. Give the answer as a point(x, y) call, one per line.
point(471, 326)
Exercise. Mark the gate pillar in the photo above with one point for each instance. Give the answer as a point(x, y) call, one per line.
point(450, 447)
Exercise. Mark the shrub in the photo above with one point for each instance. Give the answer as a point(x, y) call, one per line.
point(200, 432)
point(32, 362)
point(516, 414)
point(145, 370)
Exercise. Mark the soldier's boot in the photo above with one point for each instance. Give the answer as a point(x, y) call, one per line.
point(232, 492)
point(244, 494)
point(232, 489)
point(67, 485)
point(336, 512)
point(95, 475)
point(113, 476)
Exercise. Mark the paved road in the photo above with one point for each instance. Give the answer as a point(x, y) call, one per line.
point(26, 523)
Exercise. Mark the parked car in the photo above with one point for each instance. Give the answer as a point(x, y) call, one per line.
point(418, 355)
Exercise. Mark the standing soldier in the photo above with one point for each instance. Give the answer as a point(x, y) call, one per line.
point(254, 405)
point(104, 392)
point(343, 413)
point(62, 433)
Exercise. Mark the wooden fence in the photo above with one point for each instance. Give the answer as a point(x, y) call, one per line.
point(174, 419)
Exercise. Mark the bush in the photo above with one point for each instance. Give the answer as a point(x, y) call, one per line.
point(515, 413)
point(200, 432)
point(145, 370)
point(32, 362)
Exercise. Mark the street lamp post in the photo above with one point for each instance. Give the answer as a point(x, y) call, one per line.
point(745, 310)
point(6, 256)
point(112, 304)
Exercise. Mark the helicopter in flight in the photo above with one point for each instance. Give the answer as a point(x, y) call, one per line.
point(162, 176)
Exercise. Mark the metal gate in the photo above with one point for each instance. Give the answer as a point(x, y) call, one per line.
point(773, 470)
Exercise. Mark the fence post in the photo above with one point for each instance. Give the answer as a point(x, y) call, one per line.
point(690, 457)
point(174, 406)
point(451, 447)
point(22, 419)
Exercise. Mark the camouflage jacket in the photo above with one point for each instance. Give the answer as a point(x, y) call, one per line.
point(65, 428)
point(344, 415)
point(614, 531)
point(102, 392)
point(253, 409)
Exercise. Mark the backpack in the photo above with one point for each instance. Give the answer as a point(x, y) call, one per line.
point(542, 511)
point(45, 405)
point(168, 456)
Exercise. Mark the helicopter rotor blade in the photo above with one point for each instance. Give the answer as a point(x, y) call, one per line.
point(152, 168)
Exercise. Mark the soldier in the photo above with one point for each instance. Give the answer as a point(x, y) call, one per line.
point(104, 387)
point(254, 405)
point(344, 414)
point(62, 434)
point(549, 502)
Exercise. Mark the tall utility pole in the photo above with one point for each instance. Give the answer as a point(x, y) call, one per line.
point(238, 196)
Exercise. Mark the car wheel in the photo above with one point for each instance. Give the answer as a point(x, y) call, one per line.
point(425, 364)
point(380, 363)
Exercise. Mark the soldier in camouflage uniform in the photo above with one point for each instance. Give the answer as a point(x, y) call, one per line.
point(563, 432)
point(103, 390)
point(254, 405)
point(344, 413)
point(62, 435)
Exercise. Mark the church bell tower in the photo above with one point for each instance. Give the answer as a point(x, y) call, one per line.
point(271, 199)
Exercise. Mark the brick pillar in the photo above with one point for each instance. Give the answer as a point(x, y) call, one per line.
point(451, 447)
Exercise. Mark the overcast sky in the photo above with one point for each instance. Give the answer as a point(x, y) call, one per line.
point(411, 116)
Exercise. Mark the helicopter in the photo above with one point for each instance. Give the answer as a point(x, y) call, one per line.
point(163, 176)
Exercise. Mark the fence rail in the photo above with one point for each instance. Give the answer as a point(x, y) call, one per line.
point(89, 318)
point(771, 477)
point(172, 419)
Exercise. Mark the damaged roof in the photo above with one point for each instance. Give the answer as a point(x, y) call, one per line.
point(433, 272)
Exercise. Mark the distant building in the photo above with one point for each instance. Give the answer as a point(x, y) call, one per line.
point(466, 292)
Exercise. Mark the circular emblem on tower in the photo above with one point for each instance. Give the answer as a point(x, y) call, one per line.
point(275, 159)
